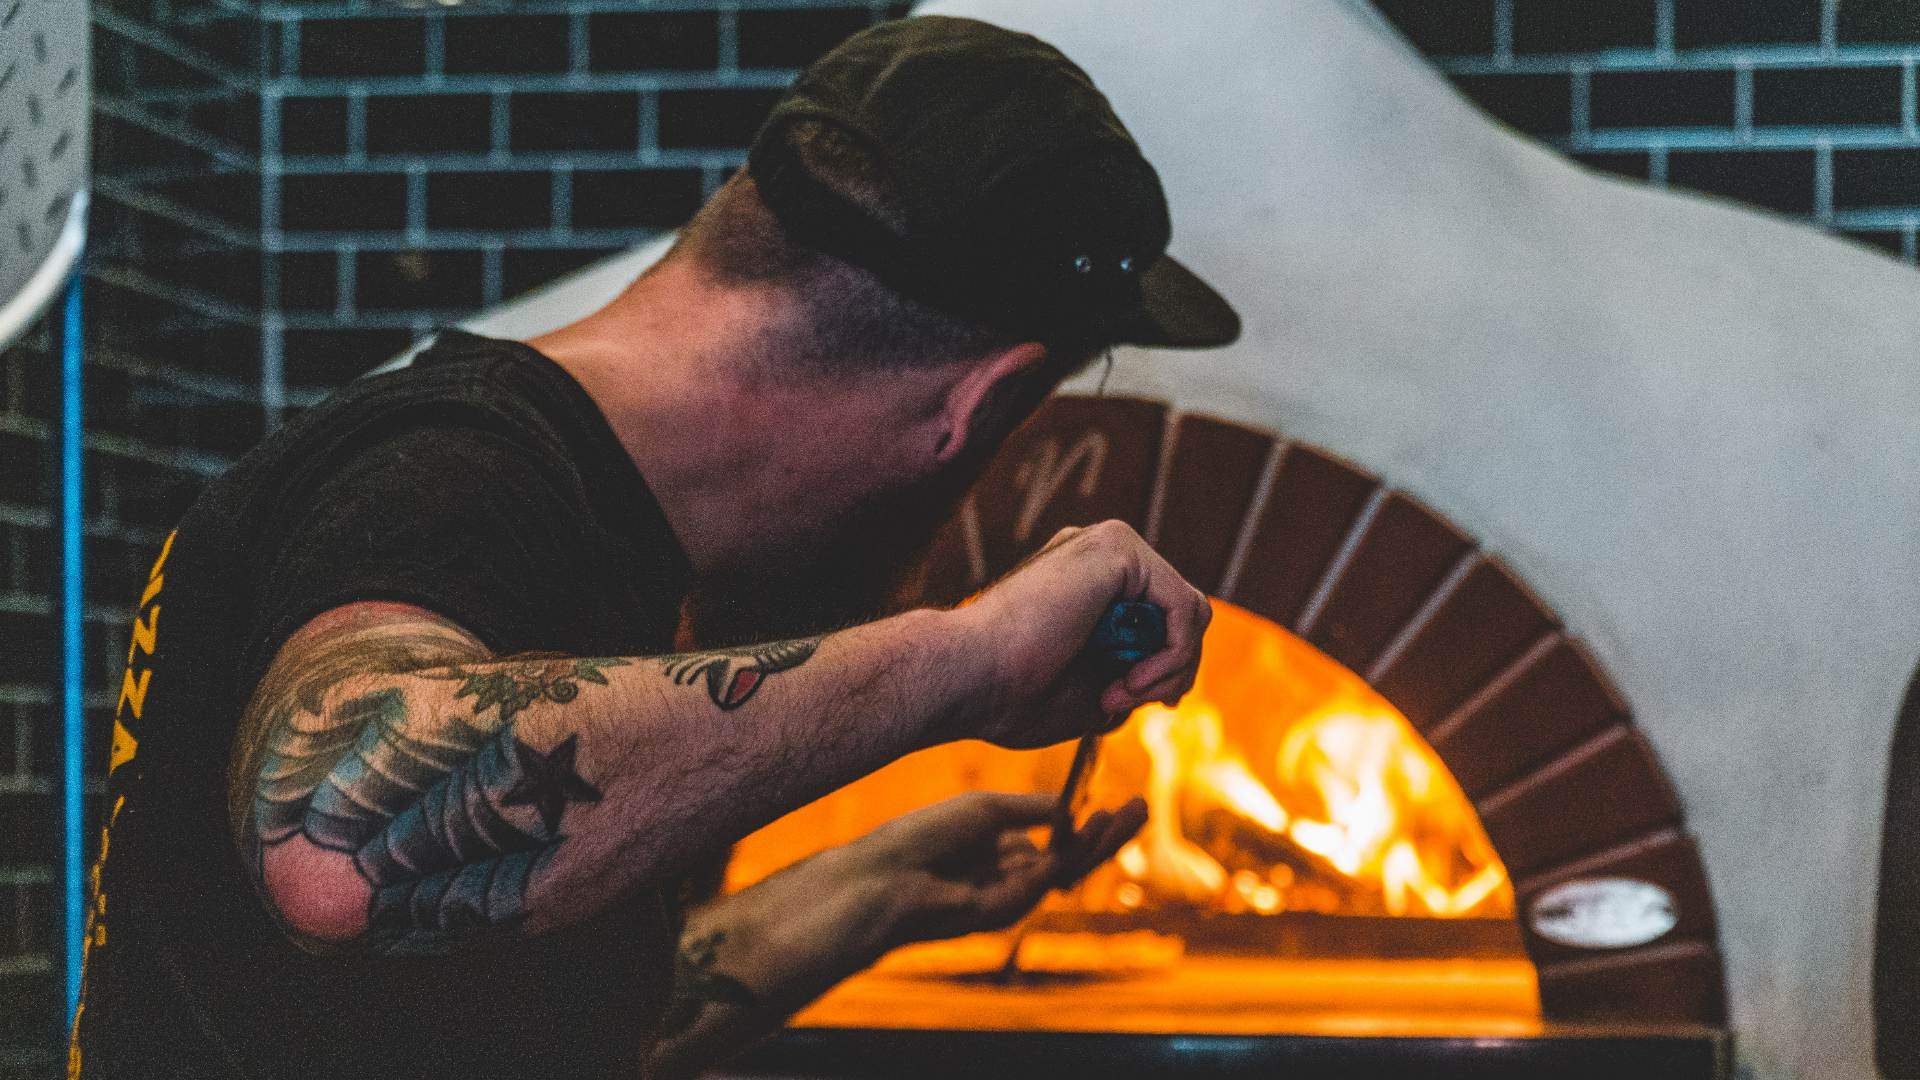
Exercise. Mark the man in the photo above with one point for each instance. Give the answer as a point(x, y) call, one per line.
point(411, 783)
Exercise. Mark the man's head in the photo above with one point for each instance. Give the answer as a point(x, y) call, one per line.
point(939, 222)
point(838, 322)
point(942, 390)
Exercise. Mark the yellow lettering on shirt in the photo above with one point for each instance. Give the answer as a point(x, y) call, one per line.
point(144, 639)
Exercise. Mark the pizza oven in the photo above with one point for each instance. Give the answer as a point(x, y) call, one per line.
point(1561, 535)
point(1404, 805)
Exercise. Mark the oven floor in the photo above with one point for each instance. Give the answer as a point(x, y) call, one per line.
point(1222, 1017)
point(1214, 995)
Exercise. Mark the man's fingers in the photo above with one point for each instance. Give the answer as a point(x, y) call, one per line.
point(1015, 892)
point(1011, 810)
point(1188, 613)
point(1104, 833)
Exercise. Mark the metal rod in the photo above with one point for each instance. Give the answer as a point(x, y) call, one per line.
point(70, 345)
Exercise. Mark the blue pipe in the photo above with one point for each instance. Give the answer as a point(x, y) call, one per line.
point(72, 689)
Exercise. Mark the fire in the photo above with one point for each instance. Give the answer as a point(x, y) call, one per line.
point(1281, 783)
point(1323, 799)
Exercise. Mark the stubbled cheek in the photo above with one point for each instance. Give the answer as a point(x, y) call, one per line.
point(318, 892)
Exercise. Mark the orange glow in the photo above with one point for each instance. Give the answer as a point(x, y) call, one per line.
point(1284, 783)
point(1281, 783)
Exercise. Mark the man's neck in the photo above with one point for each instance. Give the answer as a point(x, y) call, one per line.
point(737, 459)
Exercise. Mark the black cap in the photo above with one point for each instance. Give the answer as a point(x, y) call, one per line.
point(1023, 201)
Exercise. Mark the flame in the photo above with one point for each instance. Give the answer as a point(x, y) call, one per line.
point(1281, 783)
point(1354, 797)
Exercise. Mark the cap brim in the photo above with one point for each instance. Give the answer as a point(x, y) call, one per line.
point(1179, 311)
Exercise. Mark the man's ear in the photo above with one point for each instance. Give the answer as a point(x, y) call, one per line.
point(978, 403)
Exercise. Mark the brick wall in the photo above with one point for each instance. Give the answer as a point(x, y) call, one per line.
point(422, 165)
point(1806, 107)
point(172, 385)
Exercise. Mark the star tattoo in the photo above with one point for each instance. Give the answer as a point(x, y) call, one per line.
point(549, 781)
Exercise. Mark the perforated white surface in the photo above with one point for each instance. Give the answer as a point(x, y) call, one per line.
point(44, 96)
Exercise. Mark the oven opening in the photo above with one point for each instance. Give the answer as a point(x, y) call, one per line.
point(1309, 865)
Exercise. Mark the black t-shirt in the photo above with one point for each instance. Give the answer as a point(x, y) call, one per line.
point(482, 483)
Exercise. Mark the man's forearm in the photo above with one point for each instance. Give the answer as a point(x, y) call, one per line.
point(531, 793)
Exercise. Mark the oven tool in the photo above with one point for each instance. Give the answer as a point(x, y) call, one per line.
point(1130, 631)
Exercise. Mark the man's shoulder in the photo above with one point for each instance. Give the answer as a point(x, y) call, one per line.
point(445, 405)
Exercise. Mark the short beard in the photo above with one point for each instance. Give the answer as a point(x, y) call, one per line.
point(859, 570)
point(862, 567)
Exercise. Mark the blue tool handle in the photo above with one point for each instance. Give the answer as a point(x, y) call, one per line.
point(1130, 631)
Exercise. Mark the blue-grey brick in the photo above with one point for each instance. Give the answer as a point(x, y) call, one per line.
point(1662, 99)
point(1629, 163)
point(33, 901)
point(229, 197)
point(1827, 97)
point(640, 40)
point(114, 570)
point(220, 428)
point(575, 121)
point(429, 123)
point(234, 119)
point(27, 555)
point(366, 202)
point(354, 47)
point(489, 200)
point(154, 495)
point(772, 38)
point(29, 1017)
point(43, 742)
point(712, 118)
point(1707, 23)
point(1575, 26)
point(417, 280)
point(313, 125)
point(526, 268)
point(24, 470)
point(328, 358)
point(1890, 241)
point(1533, 103)
point(1443, 27)
point(1775, 179)
point(29, 656)
point(1864, 178)
point(637, 198)
point(506, 43)
point(1879, 21)
point(309, 280)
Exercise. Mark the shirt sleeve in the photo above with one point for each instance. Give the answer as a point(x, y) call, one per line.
point(462, 521)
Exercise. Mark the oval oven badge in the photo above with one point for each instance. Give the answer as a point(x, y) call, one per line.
point(1603, 913)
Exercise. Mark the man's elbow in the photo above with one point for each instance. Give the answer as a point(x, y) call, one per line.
point(317, 893)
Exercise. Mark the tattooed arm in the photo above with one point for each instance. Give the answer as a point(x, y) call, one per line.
point(395, 788)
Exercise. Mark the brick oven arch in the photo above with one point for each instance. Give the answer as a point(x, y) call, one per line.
point(1566, 786)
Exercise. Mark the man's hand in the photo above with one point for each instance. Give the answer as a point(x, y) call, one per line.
point(1033, 625)
point(960, 866)
point(967, 864)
